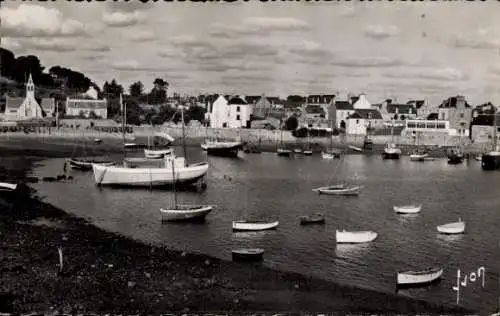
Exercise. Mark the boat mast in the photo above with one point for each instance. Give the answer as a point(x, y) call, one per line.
point(183, 136)
point(124, 117)
point(331, 136)
point(173, 183)
point(494, 128)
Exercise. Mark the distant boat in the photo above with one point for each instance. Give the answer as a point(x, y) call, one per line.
point(318, 218)
point(419, 156)
point(222, 148)
point(155, 152)
point(355, 148)
point(391, 151)
point(339, 189)
point(355, 237)
point(478, 158)
point(5, 186)
point(308, 152)
point(329, 155)
point(452, 228)
point(455, 157)
point(297, 151)
point(421, 277)
point(130, 145)
point(86, 164)
point(248, 254)
point(97, 140)
point(185, 212)
point(283, 152)
point(407, 209)
point(254, 225)
point(491, 159)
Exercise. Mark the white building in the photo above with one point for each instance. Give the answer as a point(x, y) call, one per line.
point(83, 107)
point(362, 103)
point(219, 113)
point(342, 110)
point(17, 109)
point(362, 119)
point(239, 112)
point(92, 92)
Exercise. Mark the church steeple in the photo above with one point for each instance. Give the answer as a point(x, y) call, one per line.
point(30, 88)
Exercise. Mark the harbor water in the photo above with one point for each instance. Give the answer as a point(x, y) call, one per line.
point(265, 186)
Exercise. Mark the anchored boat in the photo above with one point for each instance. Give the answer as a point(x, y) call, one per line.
point(418, 278)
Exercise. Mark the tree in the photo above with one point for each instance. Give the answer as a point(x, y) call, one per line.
point(196, 113)
point(73, 79)
point(93, 115)
point(158, 94)
point(112, 89)
point(160, 84)
point(291, 123)
point(26, 65)
point(136, 89)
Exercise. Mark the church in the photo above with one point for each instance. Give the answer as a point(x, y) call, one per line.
point(18, 109)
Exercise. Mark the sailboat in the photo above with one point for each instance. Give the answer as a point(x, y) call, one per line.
point(85, 164)
point(308, 151)
point(339, 189)
point(154, 152)
point(143, 172)
point(217, 147)
point(330, 154)
point(183, 212)
point(419, 154)
point(455, 156)
point(491, 160)
point(391, 151)
point(282, 151)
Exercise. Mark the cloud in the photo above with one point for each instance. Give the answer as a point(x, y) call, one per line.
point(141, 36)
point(123, 19)
point(381, 31)
point(132, 65)
point(485, 38)
point(129, 7)
point(258, 26)
point(61, 45)
point(443, 74)
point(31, 20)
point(371, 61)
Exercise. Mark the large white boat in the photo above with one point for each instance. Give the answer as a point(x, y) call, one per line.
point(417, 278)
point(452, 228)
point(354, 237)
point(391, 151)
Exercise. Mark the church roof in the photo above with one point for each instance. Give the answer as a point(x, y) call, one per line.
point(13, 103)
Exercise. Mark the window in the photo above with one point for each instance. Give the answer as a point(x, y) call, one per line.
point(238, 117)
point(357, 121)
point(238, 109)
point(462, 115)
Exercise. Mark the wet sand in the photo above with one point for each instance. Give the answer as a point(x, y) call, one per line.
point(106, 272)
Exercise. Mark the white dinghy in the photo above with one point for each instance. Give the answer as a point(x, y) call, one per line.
point(452, 228)
point(407, 209)
point(418, 278)
point(339, 189)
point(355, 237)
point(254, 225)
point(185, 213)
point(5, 186)
point(157, 153)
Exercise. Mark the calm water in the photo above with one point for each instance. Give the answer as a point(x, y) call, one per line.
point(270, 187)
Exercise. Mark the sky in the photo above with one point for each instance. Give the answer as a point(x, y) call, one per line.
point(399, 50)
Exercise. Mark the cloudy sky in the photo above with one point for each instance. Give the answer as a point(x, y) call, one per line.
point(386, 49)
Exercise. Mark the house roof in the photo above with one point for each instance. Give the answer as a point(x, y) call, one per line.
point(13, 103)
point(433, 116)
point(452, 103)
point(343, 105)
point(251, 99)
point(236, 100)
point(366, 114)
point(402, 108)
point(320, 98)
point(418, 103)
point(314, 109)
point(485, 120)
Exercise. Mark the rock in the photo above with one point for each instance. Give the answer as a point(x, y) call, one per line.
point(131, 284)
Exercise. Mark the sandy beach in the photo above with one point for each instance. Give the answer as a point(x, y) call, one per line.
point(105, 272)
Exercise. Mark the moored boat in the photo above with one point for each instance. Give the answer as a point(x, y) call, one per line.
point(308, 152)
point(6, 186)
point(329, 155)
point(185, 212)
point(418, 278)
point(419, 156)
point(283, 152)
point(355, 148)
point(455, 157)
point(318, 218)
point(354, 237)
point(297, 151)
point(254, 225)
point(222, 148)
point(248, 254)
point(452, 228)
point(157, 153)
point(86, 164)
point(391, 151)
point(491, 160)
point(407, 209)
point(340, 189)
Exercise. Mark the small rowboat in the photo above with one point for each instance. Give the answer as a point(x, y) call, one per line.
point(308, 152)
point(248, 254)
point(86, 164)
point(5, 186)
point(297, 151)
point(355, 148)
point(283, 152)
point(329, 155)
point(418, 278)
point(254, 225)
point(339, 190)
point(185, 213)
point(97, 140)
point(157, 153)
point(354, 237)
point(318, 218)
point(407, 209)
point(452, 228)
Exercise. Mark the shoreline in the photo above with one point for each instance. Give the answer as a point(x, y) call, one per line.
point(35, 144)
point(107, 272)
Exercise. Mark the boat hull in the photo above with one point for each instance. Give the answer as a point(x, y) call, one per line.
point(327, 156)
point(309, 221)
point(223, 149)
point(148, 177)
point(391, 153)
point(339, 190)
point(157, 153)
point(194, 214)
point(490, 162)
point(455, 159)
point(254, 226)
point(86, 165)
point(284, 152)
point(408, 279)
point(247, 255)
point(418, 157)
point(308, 152)
point(452, 228)
point(346, 237)
point(407, 209)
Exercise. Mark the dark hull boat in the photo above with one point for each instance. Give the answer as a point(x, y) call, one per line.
point(249, 254)
point(455, 159)
point(86, 164)
point(491, 161)
point(222, 149)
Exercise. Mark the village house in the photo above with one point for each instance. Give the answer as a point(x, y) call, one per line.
point(365, 116)
point(17, 109)
point(230, 112)
point(263, 106)
point(482, 124)
point(315, 113)
point(84, 107)
point(398, 112)
point(458, 112)
point(339, 113)
point(218, 112)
